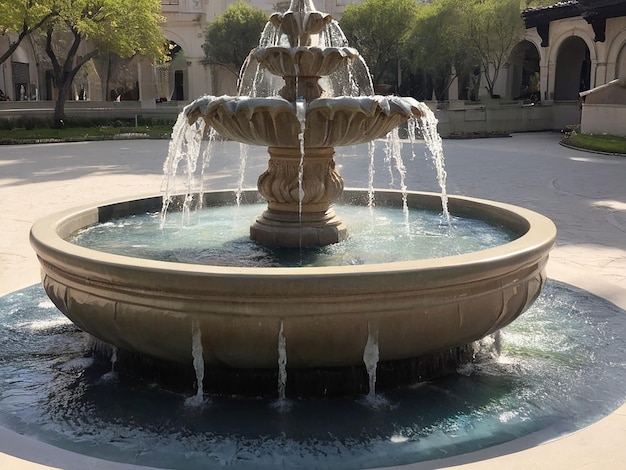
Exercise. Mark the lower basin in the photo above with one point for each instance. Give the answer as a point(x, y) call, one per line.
point(416, 308)
point(560, 367)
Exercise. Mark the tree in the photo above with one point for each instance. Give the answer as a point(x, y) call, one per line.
point(437, 45)
point(232, 35)
point(379, 30)
point(23, 17)
point(494, 27)
point(123, 27)
point(115, 73)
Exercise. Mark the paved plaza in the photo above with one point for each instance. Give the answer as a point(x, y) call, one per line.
point(583, 193)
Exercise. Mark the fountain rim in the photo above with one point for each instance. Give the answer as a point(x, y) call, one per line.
point(45, 236)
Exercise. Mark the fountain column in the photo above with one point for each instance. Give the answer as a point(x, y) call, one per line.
point(299, 213)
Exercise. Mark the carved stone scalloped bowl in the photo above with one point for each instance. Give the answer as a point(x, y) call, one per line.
point(330, 122)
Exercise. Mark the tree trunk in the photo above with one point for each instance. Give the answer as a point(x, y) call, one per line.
point(107, 95)
point(65, 89)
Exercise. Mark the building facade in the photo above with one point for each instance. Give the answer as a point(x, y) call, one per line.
point(568, 47)
point(577, 45)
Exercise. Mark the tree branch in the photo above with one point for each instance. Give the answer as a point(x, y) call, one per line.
point(25, 31)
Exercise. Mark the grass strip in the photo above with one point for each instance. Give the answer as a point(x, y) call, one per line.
point(597, 143)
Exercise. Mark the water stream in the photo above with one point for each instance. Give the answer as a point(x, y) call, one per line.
point(198, 365)
point(370, 358)
point(282, 364)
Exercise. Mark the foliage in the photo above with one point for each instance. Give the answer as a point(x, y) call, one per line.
point(536, 3)
point(493, 28)
point(379, 29)
point(114, 73)
point(28, 129)
point(465, 37)
point(123, 27)
point(437, 44)
point(22, 17)
point(229, 39)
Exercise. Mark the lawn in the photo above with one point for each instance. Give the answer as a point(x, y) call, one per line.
point(598, 143)
point(40, 135)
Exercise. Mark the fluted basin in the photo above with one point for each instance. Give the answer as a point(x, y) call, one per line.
point(417, 307)
point(329, 122)
point(302, 67)
point(303, 61)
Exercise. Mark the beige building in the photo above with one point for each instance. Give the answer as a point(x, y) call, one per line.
point(26, 77)
point(576, 45)
point(569, 47)
point(185, 26)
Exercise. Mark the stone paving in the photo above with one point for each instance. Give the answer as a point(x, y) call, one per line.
point(583, 193)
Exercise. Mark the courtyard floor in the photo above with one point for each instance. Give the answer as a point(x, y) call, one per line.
point(583, 193)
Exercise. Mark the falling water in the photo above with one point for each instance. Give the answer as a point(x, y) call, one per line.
point(370, 358)
point(113, 359)
point(356, 80)
point(198, 364)
point(191, 160)
point(428, 126)
point(282, 403)
point(371, 146)
point(185, 145)
point(301, 114)
point(243, 161)
point(393, 151)
point(112, 374)
point(170, 166)
point(207, 155)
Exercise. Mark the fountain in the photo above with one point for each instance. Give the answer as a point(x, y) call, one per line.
point(296, 318)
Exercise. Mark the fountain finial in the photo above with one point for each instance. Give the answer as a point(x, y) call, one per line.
point(300, 22)
point(302, 6)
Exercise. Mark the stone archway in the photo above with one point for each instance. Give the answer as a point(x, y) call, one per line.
point(523, 72)
point(22, 88)
point(573, 69)
point(171, 77)
point(620, 65)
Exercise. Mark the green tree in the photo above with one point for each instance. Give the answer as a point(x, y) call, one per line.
point(23, 17)
point(465, 35)
point(124, 27)
point(379, 30)
point(493, 28)
point(229, 39)
point(437, 44)
point(114, 73)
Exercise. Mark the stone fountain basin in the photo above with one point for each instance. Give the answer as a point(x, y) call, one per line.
point(304, 61)
point(418, 307)
point(330, 122)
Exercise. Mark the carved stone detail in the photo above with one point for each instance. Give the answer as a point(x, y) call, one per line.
point(280, 186)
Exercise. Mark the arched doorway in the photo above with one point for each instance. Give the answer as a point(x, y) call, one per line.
point(171, 76)
point(620, 66)
point(23, 88)
point(524, 72)
point(573, 69)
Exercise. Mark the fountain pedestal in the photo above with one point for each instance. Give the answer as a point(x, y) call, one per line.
point(299, 189)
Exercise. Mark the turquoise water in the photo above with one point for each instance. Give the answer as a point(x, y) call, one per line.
point(220, 236)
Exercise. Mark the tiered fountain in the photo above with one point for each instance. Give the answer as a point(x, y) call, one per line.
point(311, 317)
